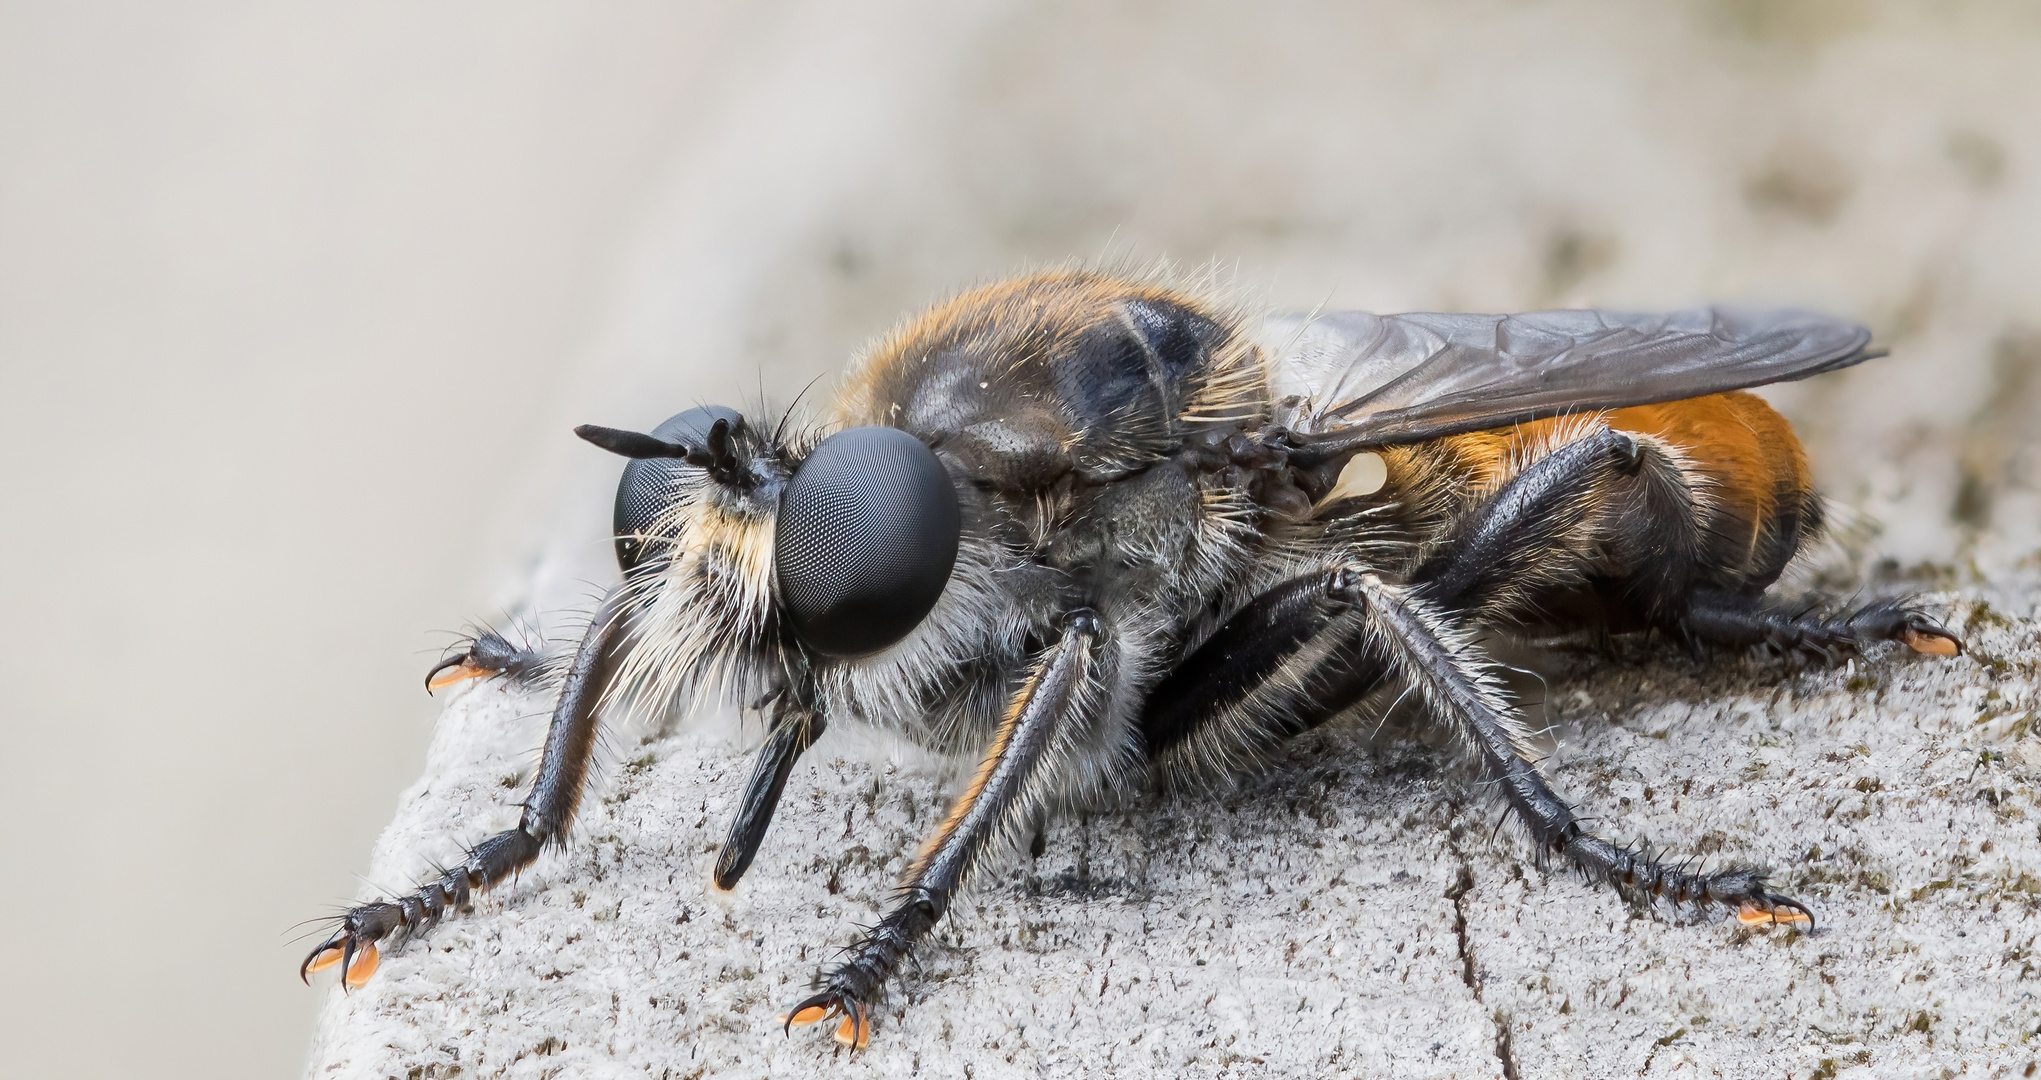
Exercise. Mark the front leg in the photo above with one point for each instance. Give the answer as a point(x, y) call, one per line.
point(487, 654)
point(1001, 799)
point(548, 812)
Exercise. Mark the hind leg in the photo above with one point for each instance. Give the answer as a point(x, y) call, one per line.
point(1615, 514)
point(1284, 663)
point(1741, 620)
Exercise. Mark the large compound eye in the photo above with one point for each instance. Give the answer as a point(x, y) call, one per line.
point(647, 488)
point(867, 536)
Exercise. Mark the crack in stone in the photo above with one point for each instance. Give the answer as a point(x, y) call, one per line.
point(1463, 883)
point(1504, 1051)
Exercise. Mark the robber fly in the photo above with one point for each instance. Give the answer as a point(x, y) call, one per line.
point(1092, 531)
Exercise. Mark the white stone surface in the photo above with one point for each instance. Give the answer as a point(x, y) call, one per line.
point(1300, 927)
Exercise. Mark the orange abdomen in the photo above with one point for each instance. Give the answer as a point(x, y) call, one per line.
point(1756, 497)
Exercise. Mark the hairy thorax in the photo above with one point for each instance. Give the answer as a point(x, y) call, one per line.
point(1067, 406)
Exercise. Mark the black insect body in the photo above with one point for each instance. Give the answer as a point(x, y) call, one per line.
point(1092, 532)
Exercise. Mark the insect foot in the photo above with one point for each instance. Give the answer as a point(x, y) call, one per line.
point(1773, 910)
point(1910, 628)
point(1815, 635)
point(1743, 889)
point(1641, 879)
point(482, 655)
point(359, 964)
point(1901, 622)
point(365, 928)
point(354, 945)
point(1932, 640)
point(846, 990)
point(855, 1030)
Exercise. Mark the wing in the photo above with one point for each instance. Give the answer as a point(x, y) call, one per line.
point(1367, 380)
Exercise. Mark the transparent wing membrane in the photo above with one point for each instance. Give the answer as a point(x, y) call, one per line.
point(1380, 379)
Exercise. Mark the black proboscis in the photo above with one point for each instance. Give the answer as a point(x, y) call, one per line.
point(795, 728)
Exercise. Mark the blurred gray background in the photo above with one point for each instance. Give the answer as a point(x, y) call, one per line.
point(298, 303)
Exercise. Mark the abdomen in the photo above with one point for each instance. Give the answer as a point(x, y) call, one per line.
point(1758, 506)
point(1756, 500)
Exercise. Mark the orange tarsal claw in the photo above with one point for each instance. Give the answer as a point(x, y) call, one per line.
point(806, 1016)
point(454, 674)
point(1932, 644)
point(324, 960)
point(855, 1032)
point(364, 965)
point(1753, 915)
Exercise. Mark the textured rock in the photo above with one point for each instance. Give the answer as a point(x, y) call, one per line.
point(1349, 912)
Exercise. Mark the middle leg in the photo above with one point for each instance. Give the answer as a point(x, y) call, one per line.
point(1315, 645)
point(1424, 648)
